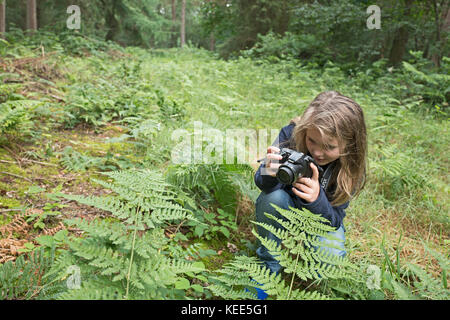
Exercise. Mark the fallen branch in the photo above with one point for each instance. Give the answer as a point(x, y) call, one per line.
point(16, 175)
point(39, 162)
point(29, 160)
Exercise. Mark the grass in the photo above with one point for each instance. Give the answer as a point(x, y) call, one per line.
point(403, 209)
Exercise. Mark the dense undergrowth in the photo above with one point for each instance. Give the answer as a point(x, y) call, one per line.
point(73, 108)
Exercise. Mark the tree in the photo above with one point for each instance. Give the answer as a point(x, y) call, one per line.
point(235, 24)
point(110, 19)
point(2, 17)
point(31, 15)
point(442, 24)
point(183, 23)
point(174, 21)
point(398, 48)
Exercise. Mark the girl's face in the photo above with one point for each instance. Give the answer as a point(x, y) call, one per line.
point(323, 149)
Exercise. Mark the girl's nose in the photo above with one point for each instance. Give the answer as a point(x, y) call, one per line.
point(317, 153)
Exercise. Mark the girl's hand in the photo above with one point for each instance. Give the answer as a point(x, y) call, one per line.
point(308, 188)
point(272, 156)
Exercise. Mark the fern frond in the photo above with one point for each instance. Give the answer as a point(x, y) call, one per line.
point(141, 181)
point(93, 290)
point(295, 252)
point(428, 286)
point(239, 278)
point(126, 255)
point(23, 278)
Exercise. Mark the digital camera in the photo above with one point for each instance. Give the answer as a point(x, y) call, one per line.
point(294, 164)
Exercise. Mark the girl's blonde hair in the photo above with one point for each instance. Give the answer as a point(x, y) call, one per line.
point(336, 115)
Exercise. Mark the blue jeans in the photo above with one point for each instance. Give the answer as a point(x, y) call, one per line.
point(284, 200)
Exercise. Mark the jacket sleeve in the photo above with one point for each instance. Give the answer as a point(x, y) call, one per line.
point(268, 183)
point(323, 207)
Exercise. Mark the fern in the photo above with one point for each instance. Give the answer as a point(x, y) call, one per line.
point(22, 278)
point(296, 255)
point(432, 86)
point(75, 161)
point(397, 172)
point(126, 258)
point(15, 116)
point(428, 286)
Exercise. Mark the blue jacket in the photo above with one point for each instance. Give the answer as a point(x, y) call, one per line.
point(321, 206)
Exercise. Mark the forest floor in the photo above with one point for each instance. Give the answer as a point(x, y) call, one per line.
point(380, 226)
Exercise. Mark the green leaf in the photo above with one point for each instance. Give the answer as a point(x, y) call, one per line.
point(45, 240)
point(197, 287)
point(39, 224)
point(34, 189)
point(199, 264)
point(61, 235)
point(199, 230)
point(225, 231)
point(182, 284)
point(202, 278)
point(29, 245)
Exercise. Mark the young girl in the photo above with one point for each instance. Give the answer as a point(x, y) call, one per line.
point(331, 130)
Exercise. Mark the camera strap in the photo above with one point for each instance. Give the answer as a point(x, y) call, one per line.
point(327, 175)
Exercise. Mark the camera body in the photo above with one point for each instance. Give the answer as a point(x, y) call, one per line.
point(295, 164)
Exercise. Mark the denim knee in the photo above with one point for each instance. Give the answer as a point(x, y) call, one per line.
point(264, 203)
point(339, 244)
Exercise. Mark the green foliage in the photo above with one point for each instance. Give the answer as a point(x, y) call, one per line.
point(296, 255)
point(339, 32)
point(410, 281)
point(151, 93)
point(23, 278)
point(236, 25)
point(397, 173)
point(76, 161)
point(39, 219)
point(118, 95)
point(129, 22)
point(272, 46)
point(427, 285)
point(126, 258)
point(170, 111)
point(82, 45)
point(15, 116)
point(208, 186)
point(205, 184)
point(433, 86)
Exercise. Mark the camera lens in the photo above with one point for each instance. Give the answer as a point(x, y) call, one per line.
point(285, 175)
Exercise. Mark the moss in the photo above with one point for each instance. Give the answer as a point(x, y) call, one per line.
point(12, 168)
point(4, 219)
point(9, 203)
point(214, 262)
point(4, 186)
point(42, 171)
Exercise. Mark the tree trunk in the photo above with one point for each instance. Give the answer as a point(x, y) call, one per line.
point(31, 15)
point(2, 17)
point(174, 11)
point(212, 41)
point(442, 23)
point(183, 22)
point(174, 21)
point(111, 21)
point(398, 48)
